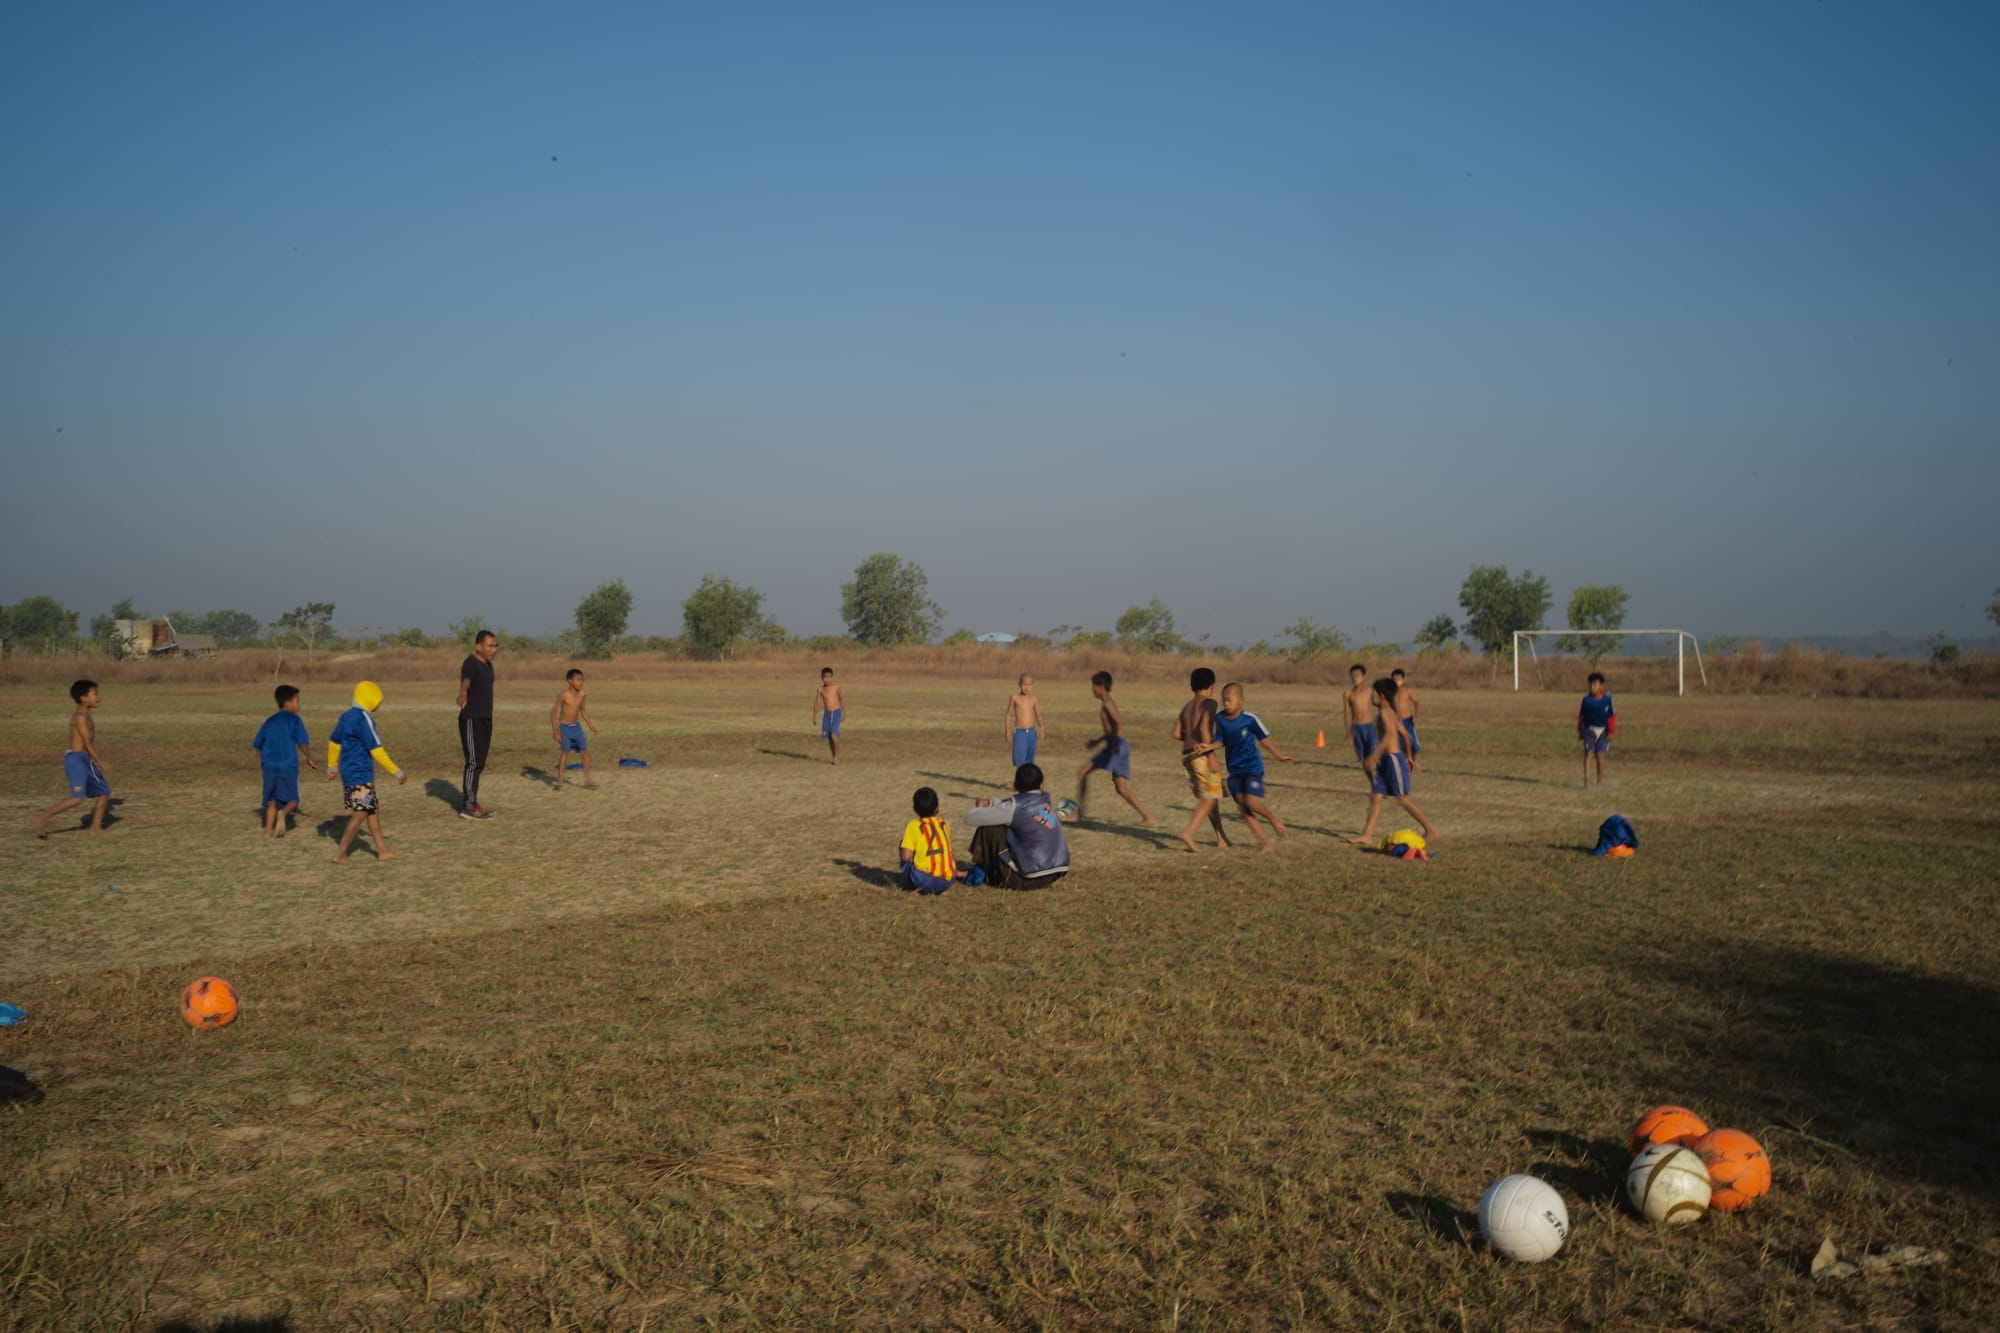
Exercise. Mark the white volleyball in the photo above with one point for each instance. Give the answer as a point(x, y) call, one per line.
point(1523, 1218)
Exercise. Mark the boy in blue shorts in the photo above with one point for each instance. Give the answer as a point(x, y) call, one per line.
point(827, 712)
point(1596, 724)
point(568, 716)
point(924, 856)
point(1407, 711)
point(1358, 714)
point(1022, 722)
point(1388, 765)
point(83, 771)
point(1240, 732)
point(1114, 752)
point(351, 755)
point(281, 745)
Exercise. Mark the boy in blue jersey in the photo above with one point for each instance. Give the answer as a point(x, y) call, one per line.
point(1240, 733)
point(281, 746)
point(1388, 765)
point(1596, 724)
point(351, 755)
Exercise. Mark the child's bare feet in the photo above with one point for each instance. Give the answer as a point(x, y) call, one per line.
point(279, 834)
point(589, 785)
point(388, 856)
point(1189, 843)
point(340, 858)
point(41, 828)
point(1360, 840)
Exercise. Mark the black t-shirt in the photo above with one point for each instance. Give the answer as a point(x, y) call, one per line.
point(479, 694)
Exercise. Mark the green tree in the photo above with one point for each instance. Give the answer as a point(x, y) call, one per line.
point(1944, 652)
point(41, 624)
point(307, 623)
point(1311, 640)
point(889, 603)
point(1993, 610)
point(717, 614)
point(1594, 606)
point(959, 638)
point(104, 631)
point(1437, 633)
point(601, 617)
point(1497, 604)
point(1089, 638)
point(1149, 628)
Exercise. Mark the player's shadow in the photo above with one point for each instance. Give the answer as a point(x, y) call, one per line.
point(1481, 777)
point(541, 775)
point(960, 777)
point(1436, 1215)
point(873, 876)
point(1157, 836)
point(272, 1324)
point(1892, 1065)
point(440, 790)
point(1591, 1169)
point(786, 754)
point(18, 1087)
point(331, 827)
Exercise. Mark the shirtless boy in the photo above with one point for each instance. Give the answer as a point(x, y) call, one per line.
point(1358, 706)
point(568, 716)
point(1022, 723)
point(1195, 730)
point(827, 712)
point(82, 769)
point(1114, 752)
point(1388, 765)
point(1407, 709)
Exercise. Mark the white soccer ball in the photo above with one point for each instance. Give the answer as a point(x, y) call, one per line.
point(1668, 1183)
point(1523, 1218)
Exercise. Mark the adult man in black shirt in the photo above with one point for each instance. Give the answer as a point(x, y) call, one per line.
point(475, 718)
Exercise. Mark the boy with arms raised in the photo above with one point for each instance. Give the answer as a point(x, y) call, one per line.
point(83, 771)
point(827, 712)
point(351, 755)
point(1022, 723)
point(1240, 732)
point(1406, 714)
point(568, 716)
point(1114, 752)
point(1195, 730)
point(924, 856)
point(281, 746)
point(1019, 842)
point(1388, 765)
point(1596, 724)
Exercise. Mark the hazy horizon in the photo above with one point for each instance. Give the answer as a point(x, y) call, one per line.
point(1289, 310)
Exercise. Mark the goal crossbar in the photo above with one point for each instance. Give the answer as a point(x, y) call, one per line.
point(1682, 640)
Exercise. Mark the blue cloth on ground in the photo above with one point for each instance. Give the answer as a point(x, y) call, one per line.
point(632, 763)
point(10, 1014)
point(1615, 832)
point(975, 876)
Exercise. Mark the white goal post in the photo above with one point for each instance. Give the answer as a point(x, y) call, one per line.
point(1682, 639)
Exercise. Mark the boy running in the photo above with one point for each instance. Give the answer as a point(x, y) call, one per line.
point(1358, 711)
point(1240, 732)
point(1596, 724)
point(1388, 765)
point(281, 744)
point(1115, 754)
point(568, 716)
point(1022, 723)
point(1406, 714)
point(1195, 730)
point(351, 755)
point(827, 712)
point(83, 771)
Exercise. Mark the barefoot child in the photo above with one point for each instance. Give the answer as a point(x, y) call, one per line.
point(281, 745)
point(1240, 732)
point(568, 716)
point(82, 769)
point(1115, 754)
point(1358, 712)
point(827, 712)
point(1388, 765)
point(1195, 730)
point(1407, 709)
point(351, 755)
point(1596, 724)
point(924, 856)
point(1022, 723)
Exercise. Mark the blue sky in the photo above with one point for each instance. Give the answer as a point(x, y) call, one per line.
point(1263, 310)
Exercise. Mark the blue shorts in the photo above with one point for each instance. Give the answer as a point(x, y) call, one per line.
point(572, 738)
point(1115, 758)
point(1391, 777)
point(829, 725)
point(1410, 730)
point(1596, 744)
point(922, 881)
point(1364, 738)
point(1246, 784)
point(1024, 745)
point(281, 786)
point(85, 779)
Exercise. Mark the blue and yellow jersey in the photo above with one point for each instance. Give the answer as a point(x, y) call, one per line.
point(928, 841)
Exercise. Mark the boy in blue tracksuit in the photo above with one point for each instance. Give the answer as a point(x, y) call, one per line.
point(352, 753)
point(281, 745)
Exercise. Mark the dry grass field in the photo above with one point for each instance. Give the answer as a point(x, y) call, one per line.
point(675, 1053)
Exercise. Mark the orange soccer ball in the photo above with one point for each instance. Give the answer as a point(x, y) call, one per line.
point(1737, 1166)
point(209, 1003)
point(1664, 1124)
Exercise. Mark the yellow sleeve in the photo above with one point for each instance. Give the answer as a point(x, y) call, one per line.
point(381, 756)
point(332, 756)
point(913, 838)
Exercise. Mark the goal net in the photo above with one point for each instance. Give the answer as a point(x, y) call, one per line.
point(1683, 641)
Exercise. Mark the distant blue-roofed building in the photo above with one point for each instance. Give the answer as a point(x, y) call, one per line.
point(1001, 639)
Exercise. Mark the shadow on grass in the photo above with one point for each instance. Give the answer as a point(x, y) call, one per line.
point(873, 876)
point(960, 777)
point(1893, 1065)
point(440, 790)
point(786, 754)
point(541, 775)
point(1156, 835)
point(1479, 777)
point(18, 1087)
point(273, 1324)
point(1595, 1168)
point(331, 827)
point(1584, 848)
point(1438, 1216)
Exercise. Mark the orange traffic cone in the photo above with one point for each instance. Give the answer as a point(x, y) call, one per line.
point(1319, 742)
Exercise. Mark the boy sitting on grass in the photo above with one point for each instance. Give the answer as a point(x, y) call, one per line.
point(925, 852)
